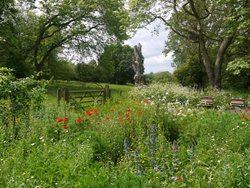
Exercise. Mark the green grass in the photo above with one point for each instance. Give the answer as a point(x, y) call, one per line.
point(117, 91)
point(213, 145)
point(76, 85)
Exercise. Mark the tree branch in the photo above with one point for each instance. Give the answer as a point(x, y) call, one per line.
point(187, 11)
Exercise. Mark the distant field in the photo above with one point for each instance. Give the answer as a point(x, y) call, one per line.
point(116, 90)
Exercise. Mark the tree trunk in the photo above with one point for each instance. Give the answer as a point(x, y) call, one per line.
point(207, 62)
point(214, 73)
point(219, 59)
point(39, 68)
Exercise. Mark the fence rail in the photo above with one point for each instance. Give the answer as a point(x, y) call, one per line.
point(83, 96)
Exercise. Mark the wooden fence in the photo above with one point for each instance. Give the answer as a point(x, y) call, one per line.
point(83, 96)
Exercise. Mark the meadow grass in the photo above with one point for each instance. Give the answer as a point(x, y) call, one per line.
point(116, 90)
point(152, 137)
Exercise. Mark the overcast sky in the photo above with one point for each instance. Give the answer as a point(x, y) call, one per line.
point(152, 47)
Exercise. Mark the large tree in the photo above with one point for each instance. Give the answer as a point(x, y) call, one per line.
point(83, 27)
point(212, 24)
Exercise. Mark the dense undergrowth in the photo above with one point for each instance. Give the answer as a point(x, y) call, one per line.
point(157, 137)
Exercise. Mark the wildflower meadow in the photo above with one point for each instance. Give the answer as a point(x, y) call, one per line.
point(154, 136)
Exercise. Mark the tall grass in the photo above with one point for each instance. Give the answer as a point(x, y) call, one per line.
point(156, 137)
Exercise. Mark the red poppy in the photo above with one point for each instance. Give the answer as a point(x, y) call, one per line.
point(140, 112)
point(112, 110)
point(128, 110)
point(79, 120)
point(65, 127)
point(119, 116)
point(127, 115)
point(244, 117)
point(95, 111)
point(122, 122)
point(107, 118)
point(59, 120)
point(88, 112)
point(66, 119)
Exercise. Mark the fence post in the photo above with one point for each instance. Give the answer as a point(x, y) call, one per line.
point(107, 90)
point(106, 93)
point(62, 93)
point(66, 94)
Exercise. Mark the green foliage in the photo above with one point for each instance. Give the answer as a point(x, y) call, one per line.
point(86, 72)
point(84, 26)
point(190, 74)
point(33, 32)
point(199, 31)
point(237, 74)
point(116, 62)
point(237, 66)
point(161, 77)
point(15, 43)
point(150, 140)
point(18, 98)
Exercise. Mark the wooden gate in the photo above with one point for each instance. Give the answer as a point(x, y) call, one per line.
point(83, 96)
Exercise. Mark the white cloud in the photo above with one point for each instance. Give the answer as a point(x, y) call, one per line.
point(152, 47)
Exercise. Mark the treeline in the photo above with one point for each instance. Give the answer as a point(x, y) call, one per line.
point(209, 39)
point(113, 66)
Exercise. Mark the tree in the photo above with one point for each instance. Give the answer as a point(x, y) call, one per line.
point(59, 69)
point(85, 72)
point(213, 25)
point(189, 70)
point(116, 61)
point(160, 77)
point(84, 26)
point(14, 40)
point(6, 9)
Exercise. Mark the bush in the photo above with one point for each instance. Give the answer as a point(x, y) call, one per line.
point(18, 98)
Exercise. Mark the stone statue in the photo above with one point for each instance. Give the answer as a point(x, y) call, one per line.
point(138, 66)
